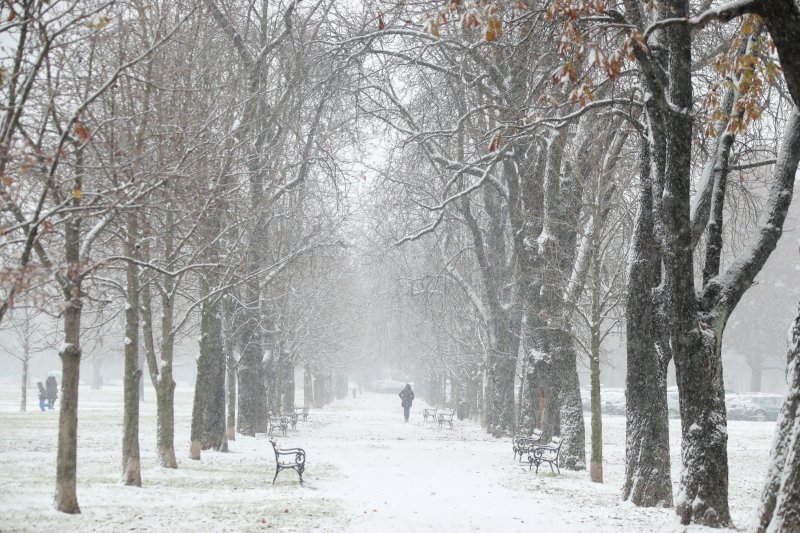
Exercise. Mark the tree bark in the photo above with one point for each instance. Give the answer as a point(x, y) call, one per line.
point(231, 391)
point(23, 396)
point(703, 494)
point(308, 387)
point(161, 373)
point(198, 407)
point(131, 462)
point(573, 429)
point(214, 427)
point(780, 500)
point(66, 499)
point(596, 461)
point(647, 463)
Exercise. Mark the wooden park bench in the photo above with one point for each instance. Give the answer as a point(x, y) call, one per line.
point(429, 413)
point(301, 411)
point(288, 459)
point(546, 453)
point(279, 422)
point(445, 417)
point(524, 444)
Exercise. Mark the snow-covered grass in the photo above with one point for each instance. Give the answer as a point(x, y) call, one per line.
point(367, 471)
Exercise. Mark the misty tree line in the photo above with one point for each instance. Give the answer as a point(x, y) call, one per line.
point(554, 169)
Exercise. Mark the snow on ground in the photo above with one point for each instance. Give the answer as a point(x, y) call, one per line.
point(367, 471)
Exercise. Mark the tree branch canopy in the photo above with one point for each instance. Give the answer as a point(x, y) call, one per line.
point(725, 290)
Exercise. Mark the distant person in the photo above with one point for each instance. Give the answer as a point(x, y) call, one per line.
point(42, 395)
point(407, 396)
point(52, 391)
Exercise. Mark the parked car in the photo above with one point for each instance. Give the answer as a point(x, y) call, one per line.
point(612, 401)
point(735, 407)
point(762, 407)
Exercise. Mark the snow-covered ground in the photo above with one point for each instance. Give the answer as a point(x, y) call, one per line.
point(367, 471)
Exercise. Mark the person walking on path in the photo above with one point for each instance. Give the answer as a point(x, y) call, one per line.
point(42, 395)
point(407, 396)
point(52, 390)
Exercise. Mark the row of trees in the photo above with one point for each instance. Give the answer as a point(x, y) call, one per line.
point(183, 164)
point(188, 164)
point(556, 158)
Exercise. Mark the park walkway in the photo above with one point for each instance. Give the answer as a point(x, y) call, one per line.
point(395, 476)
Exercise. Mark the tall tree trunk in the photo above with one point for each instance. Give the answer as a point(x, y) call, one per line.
point(252, 412)
point(198, 407)
point(573, 429)
point(499, 395)
point(131, 462)
point(318, 379)
point(545, 322)
point(596, 461)
point(165, 386)
point(66, 498)
point(23, 396)
point(231, 390)
point(285, 382)
point(308, 387)
point(543, 385)
point(703, 493)
point(214, 430)
point(201, 384)
point(779, 509)
point(160, 370)
point(647, 463)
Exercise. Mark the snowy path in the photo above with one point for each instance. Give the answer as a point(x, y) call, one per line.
point(413, 476)
point(368, 471)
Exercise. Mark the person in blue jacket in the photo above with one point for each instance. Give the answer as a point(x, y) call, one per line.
point(42, 395)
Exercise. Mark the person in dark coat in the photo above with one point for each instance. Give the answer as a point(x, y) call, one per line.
point(52, 391)
point(42, 395)
point(407, 396)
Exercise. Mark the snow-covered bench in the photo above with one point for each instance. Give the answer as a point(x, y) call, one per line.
point(429, 413)
point(301, 411)
point(279, 422)
point(288, 459)
point(291, 419)
point(445, 417)
point(546, 453)
point(524, 444)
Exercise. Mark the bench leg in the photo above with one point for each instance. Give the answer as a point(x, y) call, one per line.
point(277, 469)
